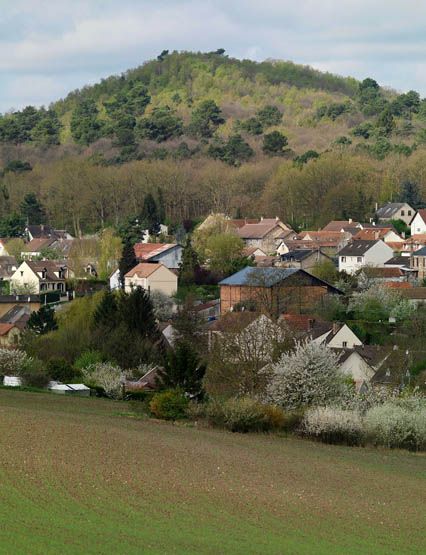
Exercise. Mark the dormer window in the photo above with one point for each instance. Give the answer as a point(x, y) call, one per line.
point(43, 274)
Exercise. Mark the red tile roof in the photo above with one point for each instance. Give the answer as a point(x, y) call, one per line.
point(5, 328)
point(143, 270)
point(373, 233)
point(145, 251)
point(338, 225)
point(398, 284)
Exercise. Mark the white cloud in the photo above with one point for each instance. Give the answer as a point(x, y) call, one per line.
point(49, 45)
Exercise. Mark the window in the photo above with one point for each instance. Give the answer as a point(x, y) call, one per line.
point(343, 259)
point(22, 273)
point(409, 212)
point(359, 258)
point(344, 343)
point(402, 212)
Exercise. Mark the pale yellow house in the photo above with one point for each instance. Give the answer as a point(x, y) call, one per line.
point(152, 277)
point(9, 335)
point(35, 277)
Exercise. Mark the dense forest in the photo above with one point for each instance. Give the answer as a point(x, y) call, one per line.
point(204, 132)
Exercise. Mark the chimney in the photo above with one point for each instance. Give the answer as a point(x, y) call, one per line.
point(350, 220)
point(376, 234)
point(261, 218)
point(336, 327)
point(376, 206)
point(276, 218)
point(310, 324)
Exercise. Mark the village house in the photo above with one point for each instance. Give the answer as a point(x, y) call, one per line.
point(395, 211)
point(3, 247)
point(335, 335)
point(151, 277)
point(386, 234)
point(44, 231)
point(304, 259)
point(18, 315)
point(8, 266)
point(363, 253)
point(34, 249)
point(418, 263)
point(363, 362)
point(418, 223)
point(9, 336)
point(346, 226)
point(382, 274)
point(170, 254)
point(265, 235)
point(39, 277)
point(273, 290)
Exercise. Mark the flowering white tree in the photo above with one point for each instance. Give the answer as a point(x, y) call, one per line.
point(163, 305)
point(309, 375)
point(378, 303)
point(107, 376)
point(13, 362)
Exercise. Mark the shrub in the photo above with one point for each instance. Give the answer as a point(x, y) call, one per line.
point(12, 362)
point(196, 411)
point(396, 424)
point(333, 425)
point(87, 358)
point(60, 370)
point(169, 405)
point(274, 417)
point(105, 375)
point(238, 415)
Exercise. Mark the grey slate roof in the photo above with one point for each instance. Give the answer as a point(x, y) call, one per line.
point(297, 255)
point(389, 209)
point(259, 276)
point(357, 248)
point(420, 252)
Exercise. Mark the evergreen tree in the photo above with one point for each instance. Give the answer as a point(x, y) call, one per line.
point(128, 259)
point(150, 215)
point(32, 210)
point(410, 193)
point(106, 314)
point(184, 369)
point(189, 264)
point(274, 143)
point(12, 225)
point(42, 321)
point(385, 122)
point(138, 314)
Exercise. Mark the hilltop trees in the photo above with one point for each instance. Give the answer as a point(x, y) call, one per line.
point(205, 118)
point(86, 126)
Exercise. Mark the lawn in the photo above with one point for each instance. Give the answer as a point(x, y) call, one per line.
point(83, 476)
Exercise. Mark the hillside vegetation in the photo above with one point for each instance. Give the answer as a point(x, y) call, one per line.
point(215, 133)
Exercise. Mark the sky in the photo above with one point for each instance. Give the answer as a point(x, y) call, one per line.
point(50, 47)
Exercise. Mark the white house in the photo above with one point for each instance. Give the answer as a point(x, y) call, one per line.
point(395, 211)
point(3, 248)
point(152, 277)
point(168, 254)
point(39, 277)
point(418, 223)
point(363, 253)
point(114, 280)
point(362, 363)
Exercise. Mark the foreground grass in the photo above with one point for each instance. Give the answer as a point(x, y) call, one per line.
point(76, 477)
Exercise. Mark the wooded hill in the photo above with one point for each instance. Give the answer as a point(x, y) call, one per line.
point(175, 103)
point(228, 129)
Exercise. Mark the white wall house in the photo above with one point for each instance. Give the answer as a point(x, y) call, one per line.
point(363, 253)
point(152, 277)
point(395, 211)
point(168, 254)
point(114, 280)
point(39, 277)
point(418, 223)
